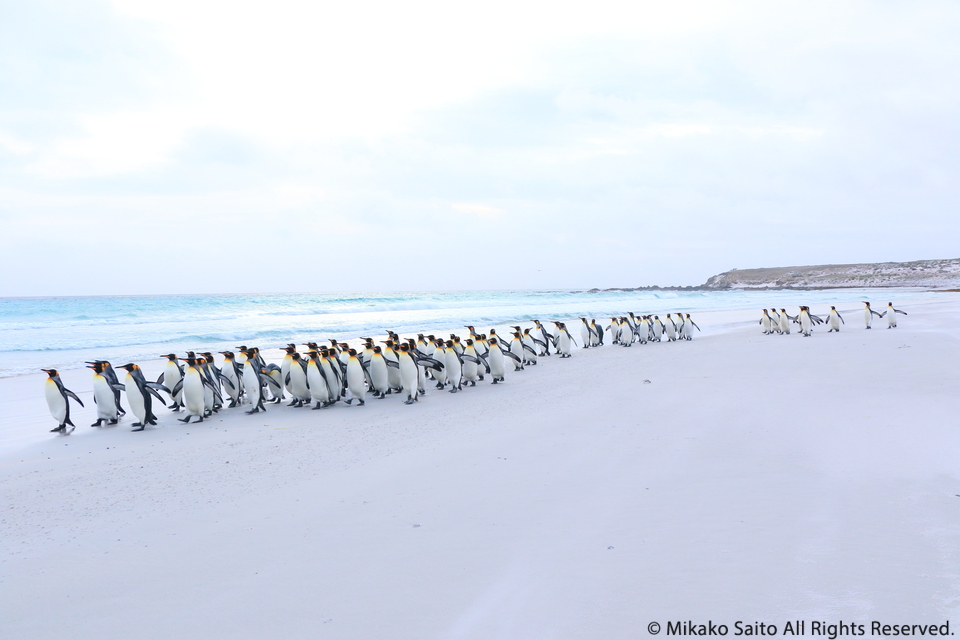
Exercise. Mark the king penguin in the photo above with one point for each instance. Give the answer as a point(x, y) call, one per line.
point(58, 401)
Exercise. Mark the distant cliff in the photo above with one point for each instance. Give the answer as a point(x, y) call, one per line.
point(933, 274)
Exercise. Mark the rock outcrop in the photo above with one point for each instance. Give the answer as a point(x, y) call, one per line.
point(932, 274)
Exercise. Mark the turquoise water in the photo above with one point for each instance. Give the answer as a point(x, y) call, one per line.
point(63, 332)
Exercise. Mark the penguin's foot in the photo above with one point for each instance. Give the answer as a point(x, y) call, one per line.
point(252, 411)
point(97, 423)
point(294, 404)
point(408, 401)
point(114, 421)
point(137, 424)
point(185, 420)
point(139, 427)
point(361, 402)
point(60, 428)
point(349, 401)
point(495, 381)
point(439, 385)
point(454, 390)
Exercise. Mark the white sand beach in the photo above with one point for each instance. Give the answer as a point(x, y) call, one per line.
point(754, 478)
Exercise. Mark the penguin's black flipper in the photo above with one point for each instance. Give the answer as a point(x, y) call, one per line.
point(429, 363)
point(511, 354)
point(155, 393)
point(177, 387)
point(469, 358)
point(841, 319)
point(160, 379)
point(539, 342)
point(118, 387)
point(485, 365)
point(158, 387)
point(527, 347)
point(898, 311)
point(876, 313)
point(392, 363)
point(73, 395)
point(226, 380)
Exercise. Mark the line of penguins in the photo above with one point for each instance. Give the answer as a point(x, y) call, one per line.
point(324, 375)
point(773, 321)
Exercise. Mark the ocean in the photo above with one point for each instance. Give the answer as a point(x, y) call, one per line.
point(64, 332)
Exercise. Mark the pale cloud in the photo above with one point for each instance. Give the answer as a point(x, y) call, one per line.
point(482, 211)
point(659, 138)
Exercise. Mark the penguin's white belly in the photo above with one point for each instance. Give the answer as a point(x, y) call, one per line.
point(867, 318)
point(378, 374)
point(193, 393)
point(497, 368)
point(409, 376)
point(55, 401)
point(452, 369)
point(318, 386)
point(298, 382)
point(135, 398)
point(106, 401)
point(356, 382)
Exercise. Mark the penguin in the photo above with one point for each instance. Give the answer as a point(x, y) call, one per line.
point(774, 321)
point(171, 377)
point(474, 363)
point(271, 378)
point(834, 320)
point(670, 328)
point(497, 362)
point(657, 327)
point(453, 367)
point(356, 378)
point(868, 314)
point(529, 347)
point(231, 378)
point(688, 324)
point(58, 401)
point(297, 382)
point(379, 380)
point(784, 322)
point(563, 340)
point(316, 380)
point(627, 334)
point(806, 323)
point(598, 331)
point(516, 349)
point(333, 374)
point(393, 373)
point(252, 385)
point(409, 374)
point(891, 315)
point(585, 333)
point(107, 409)
point(194, 387)
point(439, 354)
point(766, 322)
point(139, 393)
point(546, 336)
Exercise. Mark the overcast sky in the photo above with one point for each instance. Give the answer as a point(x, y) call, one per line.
point(182, 146)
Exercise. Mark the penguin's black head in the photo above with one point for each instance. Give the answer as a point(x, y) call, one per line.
point(352, 352)
point(292, 349)
point(50, 372)
point(129, 366)
point(227, 354)
point(376, 349)
point(404, 347)
point(172, 357)
point(295, 355)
